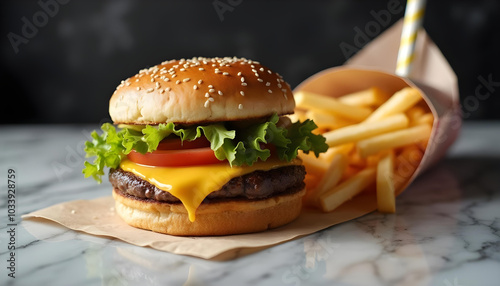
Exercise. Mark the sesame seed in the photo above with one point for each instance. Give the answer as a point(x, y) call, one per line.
point(260, 80)
point(168, 89)
point(195, 87)
point(157, 85)
point(225, 73)
point(182, 69)
point(283, 90)
point(254, 70)
point(270, 91)
point(242, 79)
point(211, 99)
point(239, 73)
point(178, 81)
point(201, 69)
point(186, 79)
point(244, 84)
point(279, 85)
point(200, 81)
point(174, 75)
point(240, 106)
point(242, 93)
point(166, 79)
point(210, 86)
point(256, 74)
point(138, 88)
point(269, 72)
point(211, 90)
point(207, 94)
point(268, 83)
point(261, 69)
point(127, 83)
point(207, 103)
point(252, 66)
point(220, 92)
point(149, 90)
point(162, 91)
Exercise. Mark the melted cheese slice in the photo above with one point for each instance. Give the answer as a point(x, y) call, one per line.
point(192, 184)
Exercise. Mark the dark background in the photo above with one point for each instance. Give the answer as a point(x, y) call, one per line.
point(67, 68)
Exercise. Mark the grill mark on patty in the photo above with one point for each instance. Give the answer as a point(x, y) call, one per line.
point(253, 186)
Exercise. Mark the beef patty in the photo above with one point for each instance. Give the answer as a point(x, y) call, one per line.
point(254, 186)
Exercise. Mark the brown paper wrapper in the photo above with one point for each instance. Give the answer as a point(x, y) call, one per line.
point(372, 66)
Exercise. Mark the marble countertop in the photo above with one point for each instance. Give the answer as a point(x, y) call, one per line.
point(446, 230)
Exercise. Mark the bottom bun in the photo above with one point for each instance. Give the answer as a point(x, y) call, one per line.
point(224, 218)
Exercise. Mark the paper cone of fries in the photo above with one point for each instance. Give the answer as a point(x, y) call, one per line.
point(364, 79)
point(373, 66)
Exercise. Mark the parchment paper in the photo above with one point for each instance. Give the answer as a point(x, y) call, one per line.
point(371, 66)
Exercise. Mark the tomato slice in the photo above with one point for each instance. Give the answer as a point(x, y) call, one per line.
point(177, 144)
point(174, 153)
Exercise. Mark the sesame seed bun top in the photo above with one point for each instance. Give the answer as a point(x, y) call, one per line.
point(201, 90)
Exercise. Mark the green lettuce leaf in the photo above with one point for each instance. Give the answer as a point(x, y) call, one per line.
point(302, 138)
point(239, 147)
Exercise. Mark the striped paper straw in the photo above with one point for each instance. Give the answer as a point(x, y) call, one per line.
point(413, 21)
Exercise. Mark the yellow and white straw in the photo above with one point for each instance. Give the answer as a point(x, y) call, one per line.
point(414, 15)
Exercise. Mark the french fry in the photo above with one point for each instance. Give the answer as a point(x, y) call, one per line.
point(313, 165)
point(332, 151)
point(386, 196)
point(357, 132)
point(355, 160)
point(346, 190)
point(426, 118)
point(349, 172)
point(311, 182)
point(373, 160)
point(310, 100)
point(405, 165)
point(393, 139)
point(327, 120)
point(399, 102)
point(414, 113)
point(367, 97)
point(330, 180)
point(298, 115)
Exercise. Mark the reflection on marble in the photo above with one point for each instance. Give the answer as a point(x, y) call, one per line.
point(446, 230)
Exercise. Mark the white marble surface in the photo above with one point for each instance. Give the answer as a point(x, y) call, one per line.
point(446, 231)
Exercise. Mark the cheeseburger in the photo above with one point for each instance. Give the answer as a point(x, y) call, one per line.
point(203, 147)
